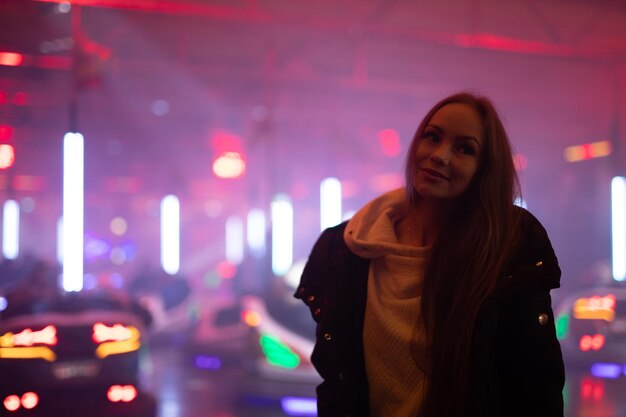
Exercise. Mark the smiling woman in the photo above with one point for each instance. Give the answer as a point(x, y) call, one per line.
point(434, 299)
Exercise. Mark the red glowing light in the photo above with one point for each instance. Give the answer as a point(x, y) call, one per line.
point(117, 332)
point(585, 343)
point(224, 141)
point(11, 59)
point(597, 342)
point(12, 402)
point(6, 133)
point(591, 389)
point(389, 140)
point(7, 156)
point(30, 400)
point(28, 337)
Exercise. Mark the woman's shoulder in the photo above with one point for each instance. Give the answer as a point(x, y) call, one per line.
point(533, 235)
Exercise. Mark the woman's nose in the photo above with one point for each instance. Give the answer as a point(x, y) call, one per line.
point(441, 155)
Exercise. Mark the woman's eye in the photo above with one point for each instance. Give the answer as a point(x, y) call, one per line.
point(467, 149)
point(433, 136)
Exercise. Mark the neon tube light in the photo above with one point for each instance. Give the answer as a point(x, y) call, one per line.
point(606, 370)
point(10, 229)
point(256, 232)
point(60, 240)
point(282, 234)
point(296, 406)
point(170, 234)
point(73, 211)
point(618, 227)
point(234, 240)
point(330, 202)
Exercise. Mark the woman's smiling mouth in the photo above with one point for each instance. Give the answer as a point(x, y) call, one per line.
point(431, 173)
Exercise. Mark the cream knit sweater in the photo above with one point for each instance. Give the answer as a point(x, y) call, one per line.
point(392, 337)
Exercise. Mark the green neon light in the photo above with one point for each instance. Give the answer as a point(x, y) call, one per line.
point(278, 353)
point(562, 326)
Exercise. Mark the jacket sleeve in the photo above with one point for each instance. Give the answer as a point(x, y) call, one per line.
point(528, 355)
point(316, 290)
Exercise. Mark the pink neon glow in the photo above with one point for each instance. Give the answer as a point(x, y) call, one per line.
point(389, 142)
point(117, 332)
point(30, 400)
point(28, 337)
point(12, 402)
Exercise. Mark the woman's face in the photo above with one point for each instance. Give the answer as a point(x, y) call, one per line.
point(448, 152)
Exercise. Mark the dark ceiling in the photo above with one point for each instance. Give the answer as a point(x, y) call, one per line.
point(307, 86)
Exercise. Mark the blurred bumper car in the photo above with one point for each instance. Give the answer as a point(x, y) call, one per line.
point(74, 356)
point(591, 327)
point(269, 340)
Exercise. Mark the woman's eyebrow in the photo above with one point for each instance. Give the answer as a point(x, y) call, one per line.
point(462, 137)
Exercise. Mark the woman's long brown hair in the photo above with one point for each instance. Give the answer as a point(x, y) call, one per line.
point(466, 259)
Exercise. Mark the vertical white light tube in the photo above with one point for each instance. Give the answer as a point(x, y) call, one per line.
point(234, 240)
point(282, 234)
point(60, 240)
point(330, 202)
point(73, 211)
point(256, 232)
point(11, 229)
point(618, 227)
point(170, 234)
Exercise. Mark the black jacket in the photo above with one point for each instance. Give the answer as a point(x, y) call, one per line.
point(516, 362)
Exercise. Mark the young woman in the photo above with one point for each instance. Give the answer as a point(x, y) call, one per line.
point(434, 299)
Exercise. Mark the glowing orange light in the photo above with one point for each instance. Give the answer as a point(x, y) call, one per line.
point(587, 151)
point(229, 165)
point(7, 155)
point(11, 59)
point(251, 318)
point(28, 337)
point(30, 400)
point(12, 402)
point(117, 332)
point(595, 308)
